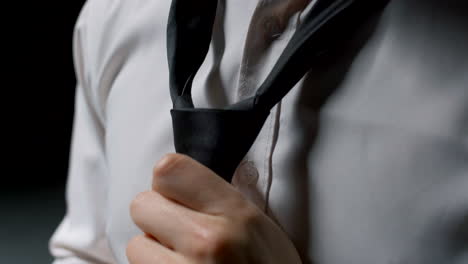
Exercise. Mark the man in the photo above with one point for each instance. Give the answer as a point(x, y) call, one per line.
point(365, 161)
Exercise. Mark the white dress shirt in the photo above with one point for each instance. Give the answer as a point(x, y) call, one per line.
point(365, 161)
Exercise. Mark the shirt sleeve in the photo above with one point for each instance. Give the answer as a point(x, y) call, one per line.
point(81, 238)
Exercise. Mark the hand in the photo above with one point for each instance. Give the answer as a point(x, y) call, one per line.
point(192, 216)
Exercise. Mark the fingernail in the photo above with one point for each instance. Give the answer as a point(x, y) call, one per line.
point(165, 163)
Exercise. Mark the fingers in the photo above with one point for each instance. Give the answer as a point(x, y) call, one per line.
point(172, 224)
point(145, 250)
point(183, 179)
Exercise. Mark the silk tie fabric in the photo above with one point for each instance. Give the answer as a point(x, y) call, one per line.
point(220, 138)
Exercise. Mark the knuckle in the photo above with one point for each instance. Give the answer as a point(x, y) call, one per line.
point(249, 215)
point(214, 242)
point(246, 213)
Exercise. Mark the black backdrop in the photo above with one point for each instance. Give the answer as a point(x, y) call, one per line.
point(38, 91)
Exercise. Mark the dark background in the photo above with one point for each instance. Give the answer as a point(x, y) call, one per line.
point(38, 92)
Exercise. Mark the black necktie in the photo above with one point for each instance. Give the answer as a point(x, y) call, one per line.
point(220, 138)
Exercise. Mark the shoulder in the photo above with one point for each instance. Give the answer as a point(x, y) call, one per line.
point(109, 33)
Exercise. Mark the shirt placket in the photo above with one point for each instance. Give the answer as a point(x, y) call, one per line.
point(269, 27)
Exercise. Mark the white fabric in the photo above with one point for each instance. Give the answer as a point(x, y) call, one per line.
point(378, 175)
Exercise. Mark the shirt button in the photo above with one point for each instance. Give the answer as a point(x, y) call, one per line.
point(247, 173)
